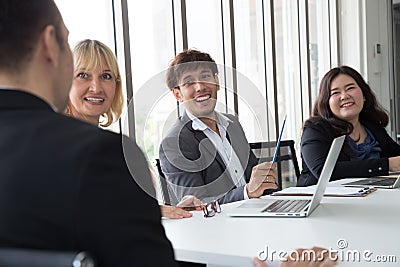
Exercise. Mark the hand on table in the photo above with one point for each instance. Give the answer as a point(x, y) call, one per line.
point(182, 209)
point(174, 212)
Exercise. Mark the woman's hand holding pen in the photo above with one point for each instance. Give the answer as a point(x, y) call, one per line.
point(263, 176)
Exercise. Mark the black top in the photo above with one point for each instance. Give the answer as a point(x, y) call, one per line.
point(64, 185)
point(316, 140)
point(369, 149)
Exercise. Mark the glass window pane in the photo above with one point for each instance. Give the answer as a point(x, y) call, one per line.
point(204, 27)
point(88, 25)
point(152, 48)
point(318, 43)
point(288, 66)
point(313, 47)
point(255, 114)
point(204, 33)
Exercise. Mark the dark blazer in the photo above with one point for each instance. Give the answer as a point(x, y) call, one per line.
point(316, 140)
point(190, 160)
point(64, 185)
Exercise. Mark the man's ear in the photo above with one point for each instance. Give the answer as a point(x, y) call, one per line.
point(177, 94)
point(217, 81)
point(50, 46)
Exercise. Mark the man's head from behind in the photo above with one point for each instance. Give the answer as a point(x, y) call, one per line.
point(23, 25)
point(193, 78)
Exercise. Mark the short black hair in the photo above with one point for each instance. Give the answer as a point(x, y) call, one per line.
point(187, 60)
point(21, 22)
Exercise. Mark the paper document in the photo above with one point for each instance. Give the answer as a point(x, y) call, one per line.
point(333, 191)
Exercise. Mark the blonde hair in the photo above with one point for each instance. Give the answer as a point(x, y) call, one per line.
point(94, 55)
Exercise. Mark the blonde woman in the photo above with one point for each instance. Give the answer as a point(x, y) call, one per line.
point(96, 97)
point(96, 93)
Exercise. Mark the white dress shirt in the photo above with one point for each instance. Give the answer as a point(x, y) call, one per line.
point(223, 146)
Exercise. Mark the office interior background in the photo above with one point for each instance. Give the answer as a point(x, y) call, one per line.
point(271, 55)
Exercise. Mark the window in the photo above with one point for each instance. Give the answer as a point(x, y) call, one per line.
point(83, 24)
point(269, 82)
point(205, 33)
point(321, 35)
point(255, 97)
point(288, 66)
point(152, 47)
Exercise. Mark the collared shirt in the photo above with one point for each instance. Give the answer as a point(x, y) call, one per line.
point(223, 146)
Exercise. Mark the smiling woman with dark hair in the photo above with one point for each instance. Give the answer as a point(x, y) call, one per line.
point(347, 105)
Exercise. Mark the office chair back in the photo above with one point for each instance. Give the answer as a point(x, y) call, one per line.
point(16, 257)
point(163, 183)
point(264, 151)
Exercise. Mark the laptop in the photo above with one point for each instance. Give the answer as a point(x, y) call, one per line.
point(284, 207)
point(389, 181)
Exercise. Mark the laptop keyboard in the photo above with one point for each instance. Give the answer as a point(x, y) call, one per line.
point(384, 182)
point(296, 205)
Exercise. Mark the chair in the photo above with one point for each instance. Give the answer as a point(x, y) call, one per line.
point(264, 151)
point(163, 183)
point(18, 257)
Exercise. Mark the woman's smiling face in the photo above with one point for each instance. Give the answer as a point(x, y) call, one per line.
point(92, 93)
point(346, 98)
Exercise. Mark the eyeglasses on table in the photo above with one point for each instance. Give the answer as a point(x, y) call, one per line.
point(211, 208)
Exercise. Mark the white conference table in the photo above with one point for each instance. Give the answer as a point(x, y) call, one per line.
point(366, 226)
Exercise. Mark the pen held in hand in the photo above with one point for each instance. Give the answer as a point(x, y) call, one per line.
point(279, 141)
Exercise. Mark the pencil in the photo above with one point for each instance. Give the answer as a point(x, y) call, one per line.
point(279, 141)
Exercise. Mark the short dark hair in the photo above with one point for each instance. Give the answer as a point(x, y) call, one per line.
point(21, 22)
point(180, 64)
point(371, 112)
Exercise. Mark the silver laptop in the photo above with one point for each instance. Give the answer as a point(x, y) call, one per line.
point(389, 181)
point(284, 207)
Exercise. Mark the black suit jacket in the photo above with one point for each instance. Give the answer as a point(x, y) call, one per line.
point(316, 140)
point(64, 185)
point(190, 160)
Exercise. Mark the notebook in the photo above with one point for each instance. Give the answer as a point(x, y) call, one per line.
point(284, 207)
point(390, 181)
